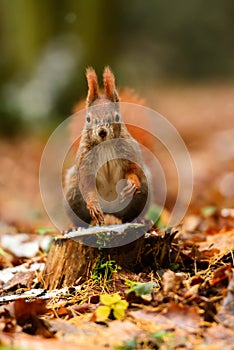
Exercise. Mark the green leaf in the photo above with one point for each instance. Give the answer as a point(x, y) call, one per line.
point(102, 313)
point(2, 252)
point(142, 288)
point(154, 213)
point(119, 309)
point(108, 263)
point(209, 211)
point(174, 266)
point(128, 345)
point(159, 335)
point(43, 230)
point(130, 283)
point(162, 336)
point(108, 299)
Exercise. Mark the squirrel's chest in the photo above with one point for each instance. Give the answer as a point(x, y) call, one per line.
point(109, 173)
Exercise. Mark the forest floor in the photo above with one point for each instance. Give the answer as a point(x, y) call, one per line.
point(189, 306)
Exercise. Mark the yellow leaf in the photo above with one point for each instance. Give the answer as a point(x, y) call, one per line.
point(123, 303)
point(108, 299)
point(119, 313)
point(119, 309)
point(102, 313)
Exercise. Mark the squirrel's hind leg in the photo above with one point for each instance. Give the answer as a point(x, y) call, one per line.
point(76, 208)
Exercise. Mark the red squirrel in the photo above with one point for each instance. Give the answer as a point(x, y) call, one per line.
point(108, 177)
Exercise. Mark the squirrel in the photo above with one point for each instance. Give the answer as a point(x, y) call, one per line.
point(108, 177)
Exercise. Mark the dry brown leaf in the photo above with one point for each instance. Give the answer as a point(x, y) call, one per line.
point(173, 316)
point(226, 312)
point(217, 337)
point(220, 276)
point(81, 331)
point(36, 342)
point(172, 281)
point(20, 280)
point(183, 316)
point(27, 315)
point(223, 241)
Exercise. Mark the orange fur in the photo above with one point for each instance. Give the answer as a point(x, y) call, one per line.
point(134, 179)
point(93, 92)
point(131, 120)
point(109, 85)
point(141, 135)
point(131, 170)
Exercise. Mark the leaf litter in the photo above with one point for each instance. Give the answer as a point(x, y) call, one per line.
point(188, 306)
point(163, 310)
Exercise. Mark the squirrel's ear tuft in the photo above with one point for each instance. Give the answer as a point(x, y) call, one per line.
point(109, 85)
point(93, 92)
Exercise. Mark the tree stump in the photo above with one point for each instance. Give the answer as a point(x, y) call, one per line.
point(73, 257)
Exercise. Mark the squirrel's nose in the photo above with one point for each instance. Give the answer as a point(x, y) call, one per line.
point(102, 133)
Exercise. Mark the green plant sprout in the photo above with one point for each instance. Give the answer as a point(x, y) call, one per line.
point(104, 270)
point(45, 230)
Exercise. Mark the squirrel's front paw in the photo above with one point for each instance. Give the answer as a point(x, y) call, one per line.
point(96, 212)
point(128, 191)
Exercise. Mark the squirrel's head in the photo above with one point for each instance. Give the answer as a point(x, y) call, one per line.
point(103, 121)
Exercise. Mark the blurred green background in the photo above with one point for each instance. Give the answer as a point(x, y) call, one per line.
point(46, 46)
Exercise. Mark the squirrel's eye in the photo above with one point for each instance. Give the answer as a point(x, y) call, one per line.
point(88, 118)
point(117, 118)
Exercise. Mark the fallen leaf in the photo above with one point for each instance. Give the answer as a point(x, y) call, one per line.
point(220, 276)
point(108, 299)
point(216, 338)
point(226, 312)
point(102, 313)
point(119, 309)
point(24, 244)
point(36, 342)
point(223, 241)
point(20, 280)
point(82, 308)
point(183, 316)
point(27, 316)
point(173, 316)
point(140, 288)
point(171, 281)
